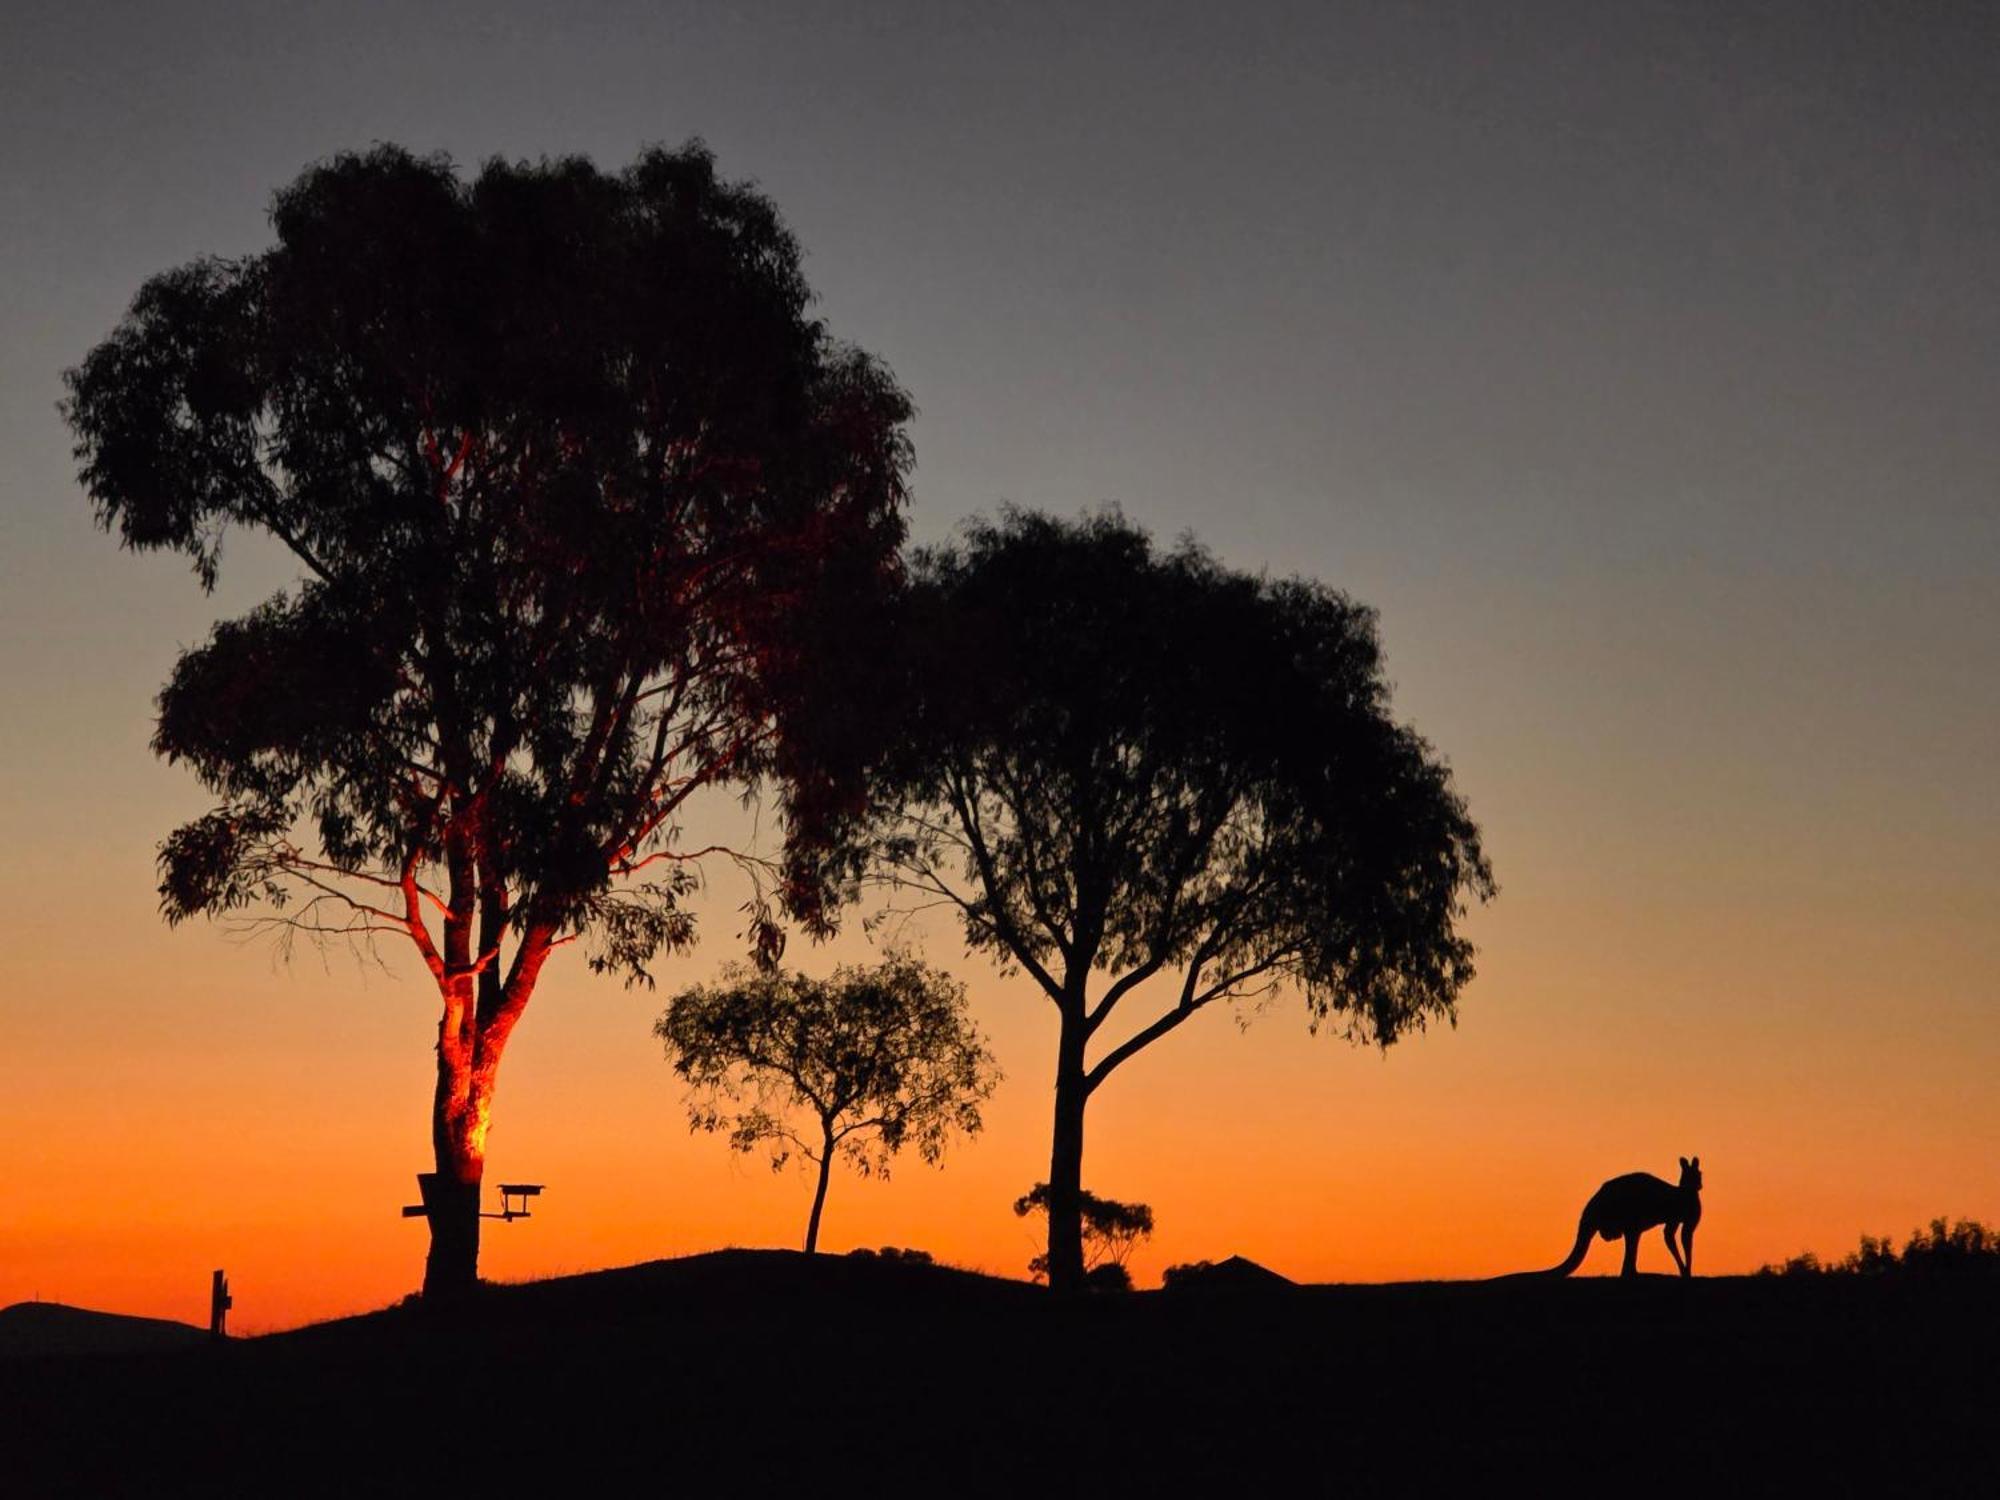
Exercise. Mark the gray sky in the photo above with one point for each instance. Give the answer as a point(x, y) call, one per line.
point(1606, 347)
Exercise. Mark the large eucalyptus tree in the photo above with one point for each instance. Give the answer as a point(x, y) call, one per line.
point(576, 488)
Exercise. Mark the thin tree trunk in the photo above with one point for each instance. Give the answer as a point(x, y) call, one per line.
point(1066, 1163)
point(819, 1194)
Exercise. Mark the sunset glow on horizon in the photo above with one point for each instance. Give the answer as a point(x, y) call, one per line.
point(224, 1121)
point(1679, 503)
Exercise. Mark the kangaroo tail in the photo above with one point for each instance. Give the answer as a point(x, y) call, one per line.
point(1577, 1250)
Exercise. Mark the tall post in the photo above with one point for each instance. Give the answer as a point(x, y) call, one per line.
point(219, 1303)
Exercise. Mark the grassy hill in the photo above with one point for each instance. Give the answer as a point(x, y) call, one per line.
point(752, 1372)
point(33, 1329)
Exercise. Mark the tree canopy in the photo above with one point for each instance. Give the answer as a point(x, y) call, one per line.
point(1118, 762)
point(877, 1058)
point(575, 486)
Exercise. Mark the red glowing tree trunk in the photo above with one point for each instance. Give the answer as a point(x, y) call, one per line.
point(460, 1113)
point(480, 1012)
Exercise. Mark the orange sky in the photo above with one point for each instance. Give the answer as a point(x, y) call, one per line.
point(1640, 368)
point(1684, 958)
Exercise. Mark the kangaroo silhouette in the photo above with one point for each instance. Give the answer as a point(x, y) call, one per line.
point(1631, 1205)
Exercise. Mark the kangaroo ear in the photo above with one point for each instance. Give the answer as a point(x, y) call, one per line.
point(1684, 1163)
point(1695, 1162)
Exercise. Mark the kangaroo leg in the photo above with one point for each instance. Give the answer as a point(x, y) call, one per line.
point(1631, 1266)
point(1667, 1233)
point(1687, 1243)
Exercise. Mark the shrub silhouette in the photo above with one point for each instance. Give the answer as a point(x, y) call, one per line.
point(892, 1252)
point(1944, 1249)
point(1109, 1277)
point(1187, 1272)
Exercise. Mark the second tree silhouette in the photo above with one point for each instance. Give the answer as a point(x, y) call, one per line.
point(1126, 769)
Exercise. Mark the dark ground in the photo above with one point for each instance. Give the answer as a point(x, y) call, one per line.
point(29, 1328)
point(753, 1372)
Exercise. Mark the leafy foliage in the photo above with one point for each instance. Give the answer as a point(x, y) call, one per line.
point(877, 1058)
point(895, 1253)
point(1136, 762)
point(1117, 764)
point(572, 480)
point(1111, 1232)
point(1187, 1273)
point(1944, 1249)
point(575, 486)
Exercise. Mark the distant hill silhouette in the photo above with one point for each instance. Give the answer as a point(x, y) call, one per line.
point(28, 1329)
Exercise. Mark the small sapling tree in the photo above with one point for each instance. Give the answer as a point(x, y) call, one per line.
point(859, 1065)
point(1111, 1232)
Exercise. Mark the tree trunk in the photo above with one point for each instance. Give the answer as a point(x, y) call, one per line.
point(1066, 1163)
point(451, 1270)
point(472, 1035)
point(819, 1195)
point(459, 1111)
